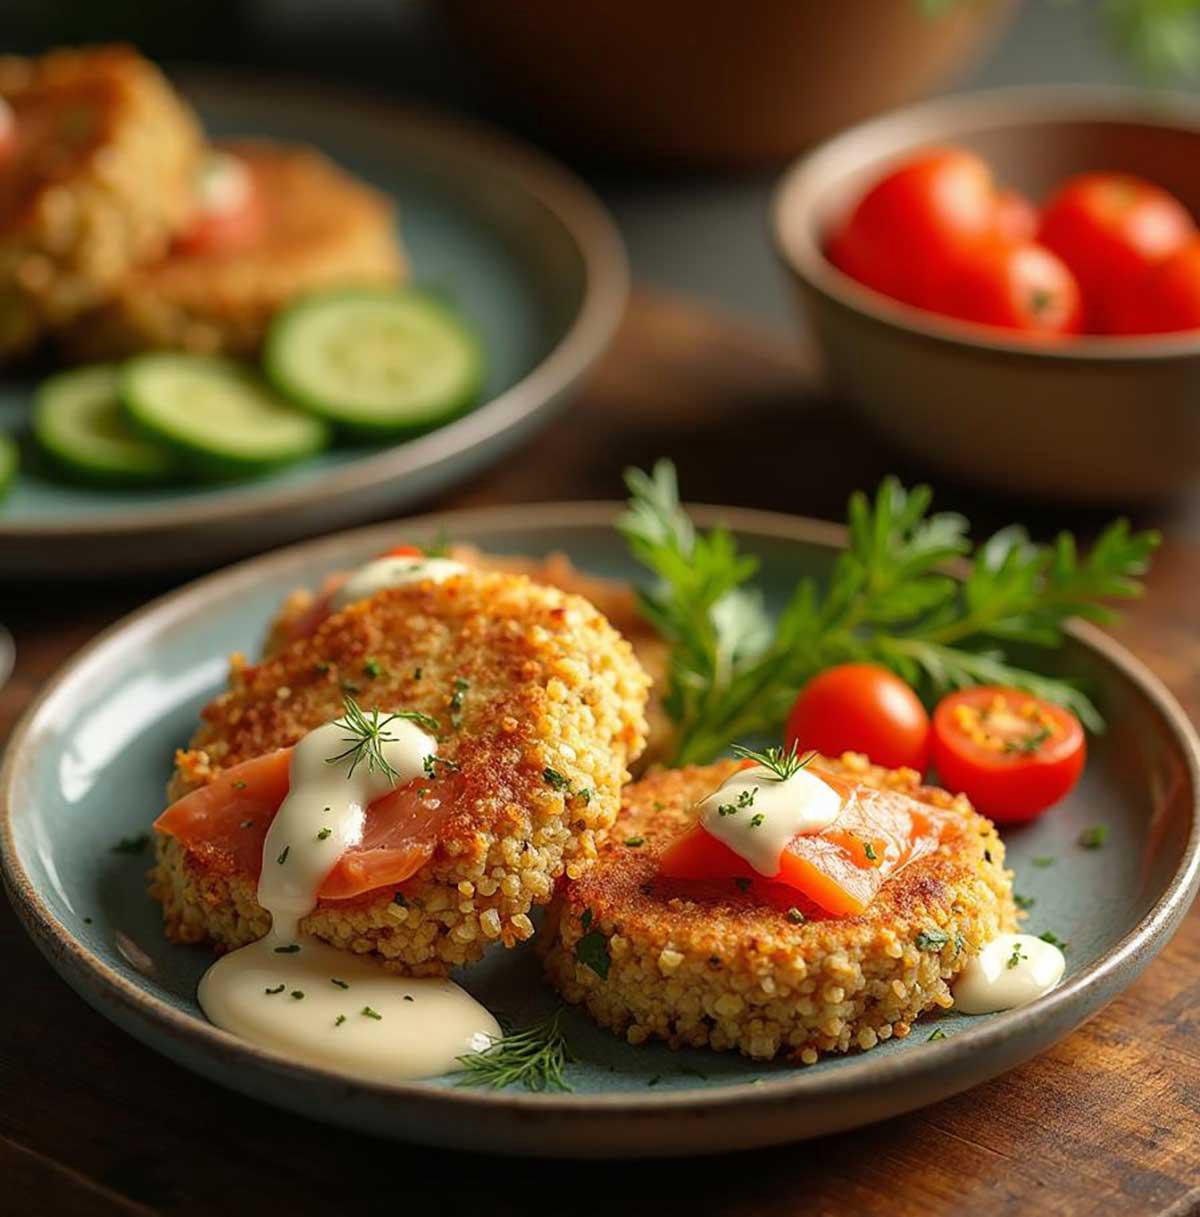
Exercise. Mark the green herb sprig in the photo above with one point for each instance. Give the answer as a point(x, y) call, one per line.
point(732, 674)
point(367, 732)
point(535, 1058)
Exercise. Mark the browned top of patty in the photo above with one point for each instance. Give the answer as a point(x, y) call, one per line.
point(627, 894)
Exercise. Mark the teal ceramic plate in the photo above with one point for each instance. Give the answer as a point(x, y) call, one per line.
point(88, 764)
point(523, 248)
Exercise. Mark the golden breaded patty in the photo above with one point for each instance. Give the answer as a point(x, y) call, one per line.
point(541, 705)
point(96, 178)
point(319, 227)
point(706, 965)
point(613, 597)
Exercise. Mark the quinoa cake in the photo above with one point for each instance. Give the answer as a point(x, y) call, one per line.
point(540, 704)
point(709, 964)
point(316, 227)
point(96, 172)
point(613, 597)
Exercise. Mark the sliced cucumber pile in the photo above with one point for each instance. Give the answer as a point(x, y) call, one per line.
point(375, 363)
point(222, 418)
point(8, 463)
point(79, 426)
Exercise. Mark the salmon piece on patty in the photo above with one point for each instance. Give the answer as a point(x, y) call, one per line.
point(733, 961)
point(540, 710)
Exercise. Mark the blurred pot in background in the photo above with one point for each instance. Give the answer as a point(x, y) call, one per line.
point(719, 84)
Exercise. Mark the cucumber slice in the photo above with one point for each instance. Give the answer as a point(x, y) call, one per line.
point(376, 363)
point(8, 463)
point(219, 413)
point(78, 425)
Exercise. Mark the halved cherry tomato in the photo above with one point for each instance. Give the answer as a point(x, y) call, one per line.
point(1017, 286)
point(1167, 299)
point(1110, 229)
point(1015, 217)
point(1010, 753)
point(859, 707)
point(403, 551)
point(907, 233)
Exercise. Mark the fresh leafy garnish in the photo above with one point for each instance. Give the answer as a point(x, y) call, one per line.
point(1053, 939)
point(1023, 902)
point(592, 949)
point(937, 1034)
point(931, 939)
point(889, 600)
point(1094, 837)
point(366, 733)
point(780, 763)
point(535, 1058)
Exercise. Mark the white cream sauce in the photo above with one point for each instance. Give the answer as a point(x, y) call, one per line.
point(386, 573)
point(1012, 970)
point(318, 1004)
point(223, 184)
point(756, 814)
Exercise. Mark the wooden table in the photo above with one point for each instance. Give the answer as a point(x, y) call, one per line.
point(1106, 1123)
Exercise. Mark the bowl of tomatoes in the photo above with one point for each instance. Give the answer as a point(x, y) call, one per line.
point(1008, 285)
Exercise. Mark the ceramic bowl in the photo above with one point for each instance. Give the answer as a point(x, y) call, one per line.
point(1091, 419)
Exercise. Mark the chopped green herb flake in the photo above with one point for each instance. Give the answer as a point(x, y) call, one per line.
point(1016, 956)
point(1094, 837)
point(297, 993)
point(341, 1018)
point(654, 1081)
point(408, 997)
point(341, 984)
point(416, 674)
point(290, 949)
point(1043, 860)
point(932, 939)
point(372, 668)
point(658, 806)
point(757, 820)
point(398, 898)
point(1023, 902)
point(87, 921)
point(283, 857)
point(277, 989)
point(554, 779)
point(795, 916)
point(132, 845)
point(1054, 940)
point(869, 851)
point(938, 1034)
point(586, 920)
point(635, 842)
point(584, 796)
point(592, 951)
point(367, 1012)
point(324, 834)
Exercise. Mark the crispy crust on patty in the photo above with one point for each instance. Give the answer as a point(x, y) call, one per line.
point(543, 729)
point(99, 180)
point(707, 966)
point(613, 597)
point(320, 228)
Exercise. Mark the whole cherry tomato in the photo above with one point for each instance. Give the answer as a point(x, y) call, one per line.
point(858, 707)
point(909, 230)
point(1166, 300)
point(1015, 217)
point(1010, 753)
point(1110, 229)
point(1016, 285)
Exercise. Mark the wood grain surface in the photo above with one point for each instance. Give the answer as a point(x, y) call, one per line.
point(1107, 1123)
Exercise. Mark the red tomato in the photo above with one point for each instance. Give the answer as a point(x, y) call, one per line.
point(1010, 753)
point(1018, 286)
point(1167, 298)
point(1110, 229)
point(858, 707)
point(908, 231)
point(403, 551)
point(1015, 218)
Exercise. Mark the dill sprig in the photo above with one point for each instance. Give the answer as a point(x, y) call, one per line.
point(535, 1058)
point(733, 673)
point(779, 762)
point(366, 733)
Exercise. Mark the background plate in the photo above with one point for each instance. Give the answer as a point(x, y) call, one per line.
point(522, 247)
point(89, 761)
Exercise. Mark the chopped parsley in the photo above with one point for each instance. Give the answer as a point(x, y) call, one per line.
point(290, 949)
point(1023, 902)
point(932, 939)
point(1044, 860)
point(409, 997)
point(1053, 939)
point(456, 701)
point(584, 796)
point(416, 674)
point(869, 850)
point(324, 834)
point(1094, 837)
point(554, 779)
point(756, 820)
point(341, 984)
point(592, 949)
point(341, 1018)
point(278, 989)
point(1016, 956)
point(634, 842)
point(795, 916)
point(297, 993)
point(132, 845)
point(367, 1012)
point(283, 857)
point(658, 806)
point(372, 668)
point(938, 1034)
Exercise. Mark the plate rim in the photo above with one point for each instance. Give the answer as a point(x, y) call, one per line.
point(75, 962)
point(584, 219)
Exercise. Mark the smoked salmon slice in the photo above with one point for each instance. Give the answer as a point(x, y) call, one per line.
point(842, 868)
point(226, 822)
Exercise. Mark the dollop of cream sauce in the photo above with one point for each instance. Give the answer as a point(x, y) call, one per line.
point(756, 814)
point(1012, 970)
point(223, 184)
point(390, 572)
point(297, 995)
